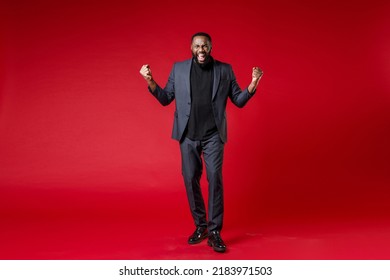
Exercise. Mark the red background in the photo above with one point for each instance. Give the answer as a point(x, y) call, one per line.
point(84, 148)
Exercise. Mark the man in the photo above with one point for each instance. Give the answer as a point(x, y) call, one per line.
point(201, 87)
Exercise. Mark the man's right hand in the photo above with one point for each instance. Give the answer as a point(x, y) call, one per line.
point(146, 72)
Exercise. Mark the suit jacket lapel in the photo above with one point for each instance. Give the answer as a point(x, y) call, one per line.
point(187, 73)
point(217, 78)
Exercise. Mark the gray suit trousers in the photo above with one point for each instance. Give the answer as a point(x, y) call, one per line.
point(212, 151)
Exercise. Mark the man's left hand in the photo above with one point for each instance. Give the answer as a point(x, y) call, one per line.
point(257, 73)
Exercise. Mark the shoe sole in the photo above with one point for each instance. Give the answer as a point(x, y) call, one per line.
point(216, 249)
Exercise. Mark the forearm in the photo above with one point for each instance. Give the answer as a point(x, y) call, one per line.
point(152, 85)
point(164, 96)
point(238, 97)
point(252, 86)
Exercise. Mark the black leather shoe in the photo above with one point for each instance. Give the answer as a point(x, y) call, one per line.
point(199, 234)
point(216, 242)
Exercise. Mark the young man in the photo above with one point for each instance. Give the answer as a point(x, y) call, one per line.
point(201, 87)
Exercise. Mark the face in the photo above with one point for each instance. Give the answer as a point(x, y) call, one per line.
point(201, 49)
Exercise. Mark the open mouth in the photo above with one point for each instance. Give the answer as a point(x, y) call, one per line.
point(201, 57)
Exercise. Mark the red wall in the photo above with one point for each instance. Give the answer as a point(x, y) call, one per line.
point(78, 128)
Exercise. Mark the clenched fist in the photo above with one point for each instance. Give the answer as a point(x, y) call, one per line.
point(146, 72)
point(256, 73)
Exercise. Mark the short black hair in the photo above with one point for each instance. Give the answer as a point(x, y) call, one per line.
point(201, 34)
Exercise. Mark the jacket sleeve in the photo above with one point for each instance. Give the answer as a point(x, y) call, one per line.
point(167, 95)
point(237, 96)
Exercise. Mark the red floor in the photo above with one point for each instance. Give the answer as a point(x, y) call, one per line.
point(107, 240)
point(137, 230)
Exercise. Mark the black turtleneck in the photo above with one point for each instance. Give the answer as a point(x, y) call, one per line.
point(201, 124)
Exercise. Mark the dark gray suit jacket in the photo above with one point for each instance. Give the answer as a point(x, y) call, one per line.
point(178, 87)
